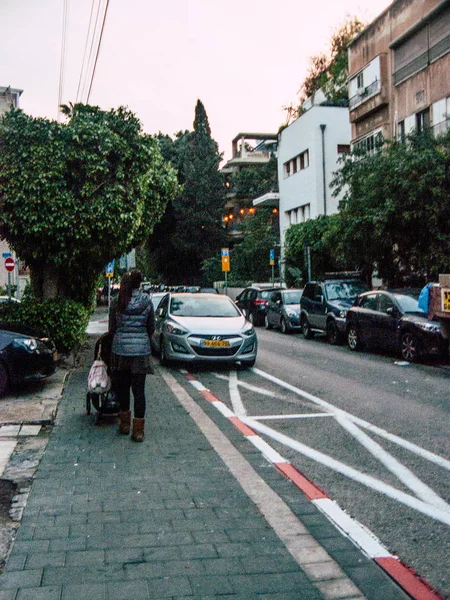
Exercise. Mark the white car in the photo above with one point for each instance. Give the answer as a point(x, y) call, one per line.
point(209, 328)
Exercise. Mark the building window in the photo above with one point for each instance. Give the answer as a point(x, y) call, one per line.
point(360, 81)
point(343, 148)
point(370, 144)
point(300, 162)
point(423, 120)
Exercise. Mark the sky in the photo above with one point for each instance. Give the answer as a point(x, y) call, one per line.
point(244, 59)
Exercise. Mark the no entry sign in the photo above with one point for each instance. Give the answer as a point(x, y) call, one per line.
point(9, 264)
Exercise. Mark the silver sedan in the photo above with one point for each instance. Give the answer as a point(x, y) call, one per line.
point(203, 328)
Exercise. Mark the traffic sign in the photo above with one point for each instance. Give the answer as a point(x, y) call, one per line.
point(109, 269)
point(225, 259)
point(9, 263)
point(272, 257)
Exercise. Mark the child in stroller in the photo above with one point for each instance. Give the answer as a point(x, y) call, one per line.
point(105, 404)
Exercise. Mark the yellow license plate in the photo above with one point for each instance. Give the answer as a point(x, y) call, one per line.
point(215, 344)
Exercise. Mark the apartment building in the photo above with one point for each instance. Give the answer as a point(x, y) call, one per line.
point(399, 73)
point(309, 150)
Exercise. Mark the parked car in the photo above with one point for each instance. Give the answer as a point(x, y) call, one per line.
point(25, 354)
point(283, 310)
point(207, 290)
point(156, 298)
point(324, 305)
point(253, 302)
point(5, 299)
point(392, 320)
point(203, 328)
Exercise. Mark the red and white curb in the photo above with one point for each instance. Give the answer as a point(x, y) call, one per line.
point(405, 576)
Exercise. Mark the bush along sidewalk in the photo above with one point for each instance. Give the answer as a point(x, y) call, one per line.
point(65, 321)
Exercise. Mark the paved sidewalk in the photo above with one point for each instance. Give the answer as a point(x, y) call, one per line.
point(113, 520)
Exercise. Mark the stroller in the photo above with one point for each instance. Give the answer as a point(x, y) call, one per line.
point(106, 403)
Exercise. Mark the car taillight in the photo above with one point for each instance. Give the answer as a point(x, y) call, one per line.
point(260, 301)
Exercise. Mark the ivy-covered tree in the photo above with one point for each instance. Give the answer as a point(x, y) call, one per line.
point(329, 72)
point(395, 213)
point(191, 230)
point(75, 195)
point(255, 180)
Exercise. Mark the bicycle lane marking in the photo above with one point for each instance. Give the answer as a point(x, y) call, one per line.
point(405, 576)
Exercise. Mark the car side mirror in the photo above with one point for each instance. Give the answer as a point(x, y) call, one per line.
point(319, 298)
point(391, 311)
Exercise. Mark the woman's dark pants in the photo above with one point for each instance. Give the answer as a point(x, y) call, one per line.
point(125, 381)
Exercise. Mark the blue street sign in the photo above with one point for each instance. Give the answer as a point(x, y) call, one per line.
point(6, 254)
point(272, 257)
point(225, 252)
point(109, 269)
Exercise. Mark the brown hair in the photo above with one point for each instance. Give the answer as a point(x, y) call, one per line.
point(125, 291)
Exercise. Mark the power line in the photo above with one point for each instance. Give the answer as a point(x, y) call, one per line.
point(91, 52)
point(85, 51)
point(62, 67)
point(98, 50)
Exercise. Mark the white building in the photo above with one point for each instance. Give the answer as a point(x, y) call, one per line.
point(308, 154)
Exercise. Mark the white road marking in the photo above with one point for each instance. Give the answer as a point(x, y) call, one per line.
point(223, 408)
point(367, 480)
point(352, 528)
point(235, 396)
point(198, 386)
point(439, 460)
point(269, 453)
point(392, 464)
point(253, 388)
point(300, 416)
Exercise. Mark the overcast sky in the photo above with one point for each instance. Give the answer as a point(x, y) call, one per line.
point(245, 59)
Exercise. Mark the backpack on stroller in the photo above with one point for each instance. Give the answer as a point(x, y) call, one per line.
point(104, 402)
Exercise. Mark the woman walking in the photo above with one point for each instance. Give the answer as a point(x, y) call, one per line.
point(132, 323)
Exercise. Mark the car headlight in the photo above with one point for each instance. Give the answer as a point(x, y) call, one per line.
point(342, 314)
point(30, 344)
point(428, 326)
point(175, 330)
point(248, 331)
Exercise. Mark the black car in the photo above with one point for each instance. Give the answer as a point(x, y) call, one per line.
point(253, 302)
point(324, 305)
point(283, 310)
point(25, 354)
point(392, 320)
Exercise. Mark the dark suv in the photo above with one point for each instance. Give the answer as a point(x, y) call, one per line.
point(253, 303)
point(324, 305)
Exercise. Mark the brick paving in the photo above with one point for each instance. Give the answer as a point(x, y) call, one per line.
point(109, 519)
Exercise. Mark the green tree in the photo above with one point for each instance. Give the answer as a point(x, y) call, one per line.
point(75, 195)
point(249, 260)
point(329, 71)
point(319, 235)
point(253, 181)
point(395, 213)
point(191, 230)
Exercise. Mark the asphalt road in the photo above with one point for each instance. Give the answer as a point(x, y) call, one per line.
point(317, 405)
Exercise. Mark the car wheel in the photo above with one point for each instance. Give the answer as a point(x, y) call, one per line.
point(266, 323)
point(353, 338)
point(284, 326)
point(306, 329)
point(334, 337)
point(4, 380)
point(162, 354)
point(410, 347)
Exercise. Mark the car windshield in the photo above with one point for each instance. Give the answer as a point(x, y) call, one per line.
point(202, 306)
point(266, 294)
point(345, 290)
point(409, 304)
point(292, 297)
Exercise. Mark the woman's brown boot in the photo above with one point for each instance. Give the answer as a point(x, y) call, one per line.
point(124, 421)
point(138, 430)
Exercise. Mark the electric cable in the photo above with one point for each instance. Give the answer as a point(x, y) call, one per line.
point(85, 52)
point(66, 10)
point(98, 50)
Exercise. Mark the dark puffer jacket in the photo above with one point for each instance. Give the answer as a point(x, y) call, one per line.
point(133, 327)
